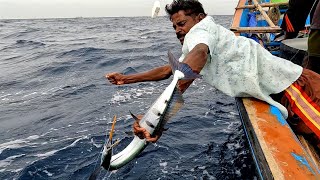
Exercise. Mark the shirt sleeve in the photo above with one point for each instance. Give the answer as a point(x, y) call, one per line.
point(198, 36)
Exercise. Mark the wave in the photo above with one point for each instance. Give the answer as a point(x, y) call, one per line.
point(87, 51)
point(6, 162)
point(22, 33)
point(58, 158)
point(56, 69)
point(29, 43)
point(18, 143)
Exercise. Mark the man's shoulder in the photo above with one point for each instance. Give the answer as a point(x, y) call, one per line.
point(204, 23)
point(207, 20)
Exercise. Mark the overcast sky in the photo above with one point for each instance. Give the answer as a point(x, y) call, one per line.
point(97, 8)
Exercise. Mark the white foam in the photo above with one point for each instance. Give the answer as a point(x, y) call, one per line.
point(3, 96)
point(16, 170)
point(48, 173)
point(50, 153)
point(163, 164)
point(205, 172)
point(18, 143)
point(6, 162)
point(96, 145)
point(82, 131)
point(128, 95)
point(33, 137)
point(47, 154)
point(33, 93)
point(120, 98)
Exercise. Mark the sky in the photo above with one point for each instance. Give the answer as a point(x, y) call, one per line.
point(29, 9)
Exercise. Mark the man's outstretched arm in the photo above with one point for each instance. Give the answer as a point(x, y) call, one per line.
point(156, 74)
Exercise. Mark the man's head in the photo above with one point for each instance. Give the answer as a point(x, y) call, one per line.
point(184, 14)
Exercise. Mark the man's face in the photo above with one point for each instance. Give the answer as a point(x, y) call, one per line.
point(183, 23)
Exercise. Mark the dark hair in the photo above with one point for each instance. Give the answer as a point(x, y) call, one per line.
point(191, 7)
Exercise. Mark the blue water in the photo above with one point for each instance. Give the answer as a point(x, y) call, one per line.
point(56, 106)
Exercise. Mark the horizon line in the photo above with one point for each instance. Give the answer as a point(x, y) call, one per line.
point(79, 17)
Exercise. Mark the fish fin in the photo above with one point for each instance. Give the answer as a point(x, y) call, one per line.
point(134, 116)
point(183, 67)
point(112, 128)
point(174, 105)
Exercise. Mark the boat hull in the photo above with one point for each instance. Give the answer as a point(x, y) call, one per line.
point(275, 148)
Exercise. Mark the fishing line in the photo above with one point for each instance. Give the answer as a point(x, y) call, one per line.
point(314, 3)
point(294, 55)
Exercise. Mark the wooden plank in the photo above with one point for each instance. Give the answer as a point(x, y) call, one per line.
point(308, 147)
point(286, 158)
point(256, 29)
point(237, 15)
point(263, 5)
point(264, 14)
point(259, 158)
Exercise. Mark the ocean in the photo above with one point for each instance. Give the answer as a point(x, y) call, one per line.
point(56, 106)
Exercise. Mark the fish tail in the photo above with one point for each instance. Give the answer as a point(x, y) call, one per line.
point(108, 147)
point(184, 68)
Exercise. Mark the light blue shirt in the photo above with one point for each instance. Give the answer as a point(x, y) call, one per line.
point(239, 66)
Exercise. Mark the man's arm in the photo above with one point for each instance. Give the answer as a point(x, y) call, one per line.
point(196, 59)
point(156, 74)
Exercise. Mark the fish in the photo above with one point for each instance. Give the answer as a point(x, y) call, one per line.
point(154, 120)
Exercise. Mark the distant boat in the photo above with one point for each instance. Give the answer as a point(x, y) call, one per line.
point(155, 9)
point(277, 150)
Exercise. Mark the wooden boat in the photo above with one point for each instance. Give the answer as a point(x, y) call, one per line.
point(278, 151)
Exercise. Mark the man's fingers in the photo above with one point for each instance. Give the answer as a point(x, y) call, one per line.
point(137, 129)
point(110, 75)
point(140, 135)
point(139, 116)
point(153, 139)
point(120, 82)
point(142, 132)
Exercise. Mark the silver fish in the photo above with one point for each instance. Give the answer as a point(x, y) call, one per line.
point(167, 105)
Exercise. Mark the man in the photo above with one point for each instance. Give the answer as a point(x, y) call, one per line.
point(312, 61)
point(235, 65)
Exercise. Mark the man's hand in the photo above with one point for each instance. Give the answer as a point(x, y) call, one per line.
point(115, 78)
point(143, 133)
point(184, 84)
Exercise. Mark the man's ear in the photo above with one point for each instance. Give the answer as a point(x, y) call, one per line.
point(201, 16)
